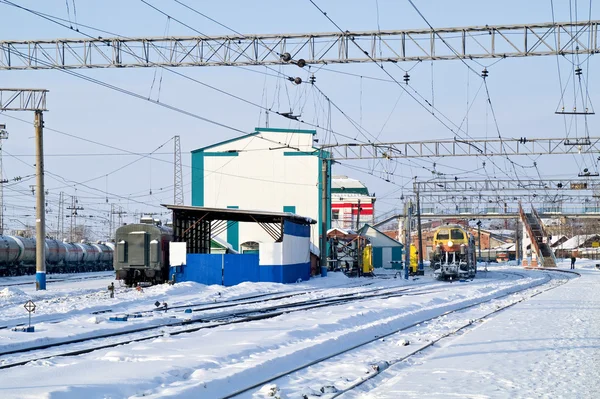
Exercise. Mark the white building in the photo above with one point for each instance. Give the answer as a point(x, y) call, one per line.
point(270, 169)
point(351, 204)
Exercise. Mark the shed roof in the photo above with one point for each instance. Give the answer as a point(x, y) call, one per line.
point(238, 215)
point(578, 241)
point(377, 238)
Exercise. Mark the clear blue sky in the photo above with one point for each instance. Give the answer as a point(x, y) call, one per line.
point(525, 93)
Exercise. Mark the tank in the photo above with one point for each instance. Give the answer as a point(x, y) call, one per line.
point(55, 252)
point(73, 254)
point(28, 250)
point(10, 250)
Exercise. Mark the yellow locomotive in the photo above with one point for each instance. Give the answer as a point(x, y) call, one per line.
point(454, 253)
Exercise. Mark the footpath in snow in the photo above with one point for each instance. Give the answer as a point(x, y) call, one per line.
point(547, 346)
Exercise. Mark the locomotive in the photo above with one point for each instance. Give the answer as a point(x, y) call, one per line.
point(17, 256)
point(142, 252)
point(454, 255)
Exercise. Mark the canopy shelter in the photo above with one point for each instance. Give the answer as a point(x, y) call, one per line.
point(195, 225)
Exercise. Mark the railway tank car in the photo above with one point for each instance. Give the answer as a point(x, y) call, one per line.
point(454, 256)
point(17, 256)
point(142, 252)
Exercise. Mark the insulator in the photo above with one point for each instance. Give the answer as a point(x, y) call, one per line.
point(406, 77)
point(312, 79)
point(578, 71)
point(286, 57)
point(484, 73)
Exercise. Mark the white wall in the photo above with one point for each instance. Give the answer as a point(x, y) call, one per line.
point(263, 179)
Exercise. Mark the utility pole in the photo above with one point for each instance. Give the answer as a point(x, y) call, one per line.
point(177, 173)
point(479, 236)
point(119, 213)
point(33, 100)
point(358, 217)
point(73, 208)
point(408, 213)
point(3, 136)
point(419, 232)
point(324, 210)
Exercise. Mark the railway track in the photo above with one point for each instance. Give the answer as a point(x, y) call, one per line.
point(199, 306)
point(181, 326)
point(377, 370)
point(56, 280)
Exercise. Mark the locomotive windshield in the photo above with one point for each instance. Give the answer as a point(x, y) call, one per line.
point(443, 235)
point(457, 234)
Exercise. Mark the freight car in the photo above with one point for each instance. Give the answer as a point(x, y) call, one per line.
point(17, 256)
point(454, 255)
point(142, 252)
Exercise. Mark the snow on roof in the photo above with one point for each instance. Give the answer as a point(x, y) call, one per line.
point(346, 185)
point(555, 239)
point(509, 246)
point(502, 232)
point(343, 231)
point(224, 243)
point(577, 241)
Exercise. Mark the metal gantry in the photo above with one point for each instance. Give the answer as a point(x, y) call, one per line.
point(497, 185)
point(33, 100)
point(469, 42)
point(462, 148)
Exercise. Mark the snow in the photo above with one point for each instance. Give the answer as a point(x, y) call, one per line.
point(545, 345)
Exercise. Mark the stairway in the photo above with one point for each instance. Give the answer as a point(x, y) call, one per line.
point(535, 229)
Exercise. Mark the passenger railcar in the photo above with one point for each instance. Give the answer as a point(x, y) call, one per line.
point(142, 253)
point(454, 255)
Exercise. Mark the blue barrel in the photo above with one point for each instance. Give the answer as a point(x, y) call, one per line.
point(323, 271)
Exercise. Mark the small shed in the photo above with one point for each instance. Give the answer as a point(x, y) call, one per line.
point(286, 259)
point(385, 249)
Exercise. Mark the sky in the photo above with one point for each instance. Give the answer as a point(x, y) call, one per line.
point(524, 94)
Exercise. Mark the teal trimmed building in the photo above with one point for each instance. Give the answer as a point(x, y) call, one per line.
point(270, 169)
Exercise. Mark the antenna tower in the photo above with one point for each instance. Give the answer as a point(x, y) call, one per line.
point(3, 136)
point(177, 173)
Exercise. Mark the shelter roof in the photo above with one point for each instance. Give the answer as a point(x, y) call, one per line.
point(578, 241)
point(237, 215)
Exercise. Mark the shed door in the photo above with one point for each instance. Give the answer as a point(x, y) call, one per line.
point(386, 257)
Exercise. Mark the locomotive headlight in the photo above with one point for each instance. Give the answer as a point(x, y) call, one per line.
point(450, 243)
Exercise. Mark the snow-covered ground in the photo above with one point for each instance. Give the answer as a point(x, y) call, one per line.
point(220, 361)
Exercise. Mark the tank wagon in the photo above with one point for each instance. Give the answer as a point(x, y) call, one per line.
point(454, 255)
point(17, 256)
point(142, 252)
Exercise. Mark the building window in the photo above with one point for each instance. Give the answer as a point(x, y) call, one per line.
point(335, 214)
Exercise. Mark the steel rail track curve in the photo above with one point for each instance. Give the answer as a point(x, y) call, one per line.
point(221, 320)
point(406, 327)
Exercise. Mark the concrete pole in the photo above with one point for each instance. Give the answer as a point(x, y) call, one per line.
point(324, 210)
point(479, 237)
point(407, 245)
point(40, 209)
point(419, 232)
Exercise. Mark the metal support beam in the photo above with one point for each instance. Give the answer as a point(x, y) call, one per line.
point(502, 186)
point(23, 99)
point(463, 148)
point(493, 41)
point(33, 100)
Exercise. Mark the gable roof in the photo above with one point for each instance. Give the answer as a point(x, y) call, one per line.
point(256, 131)
point(578, 241)
point(377, 238)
